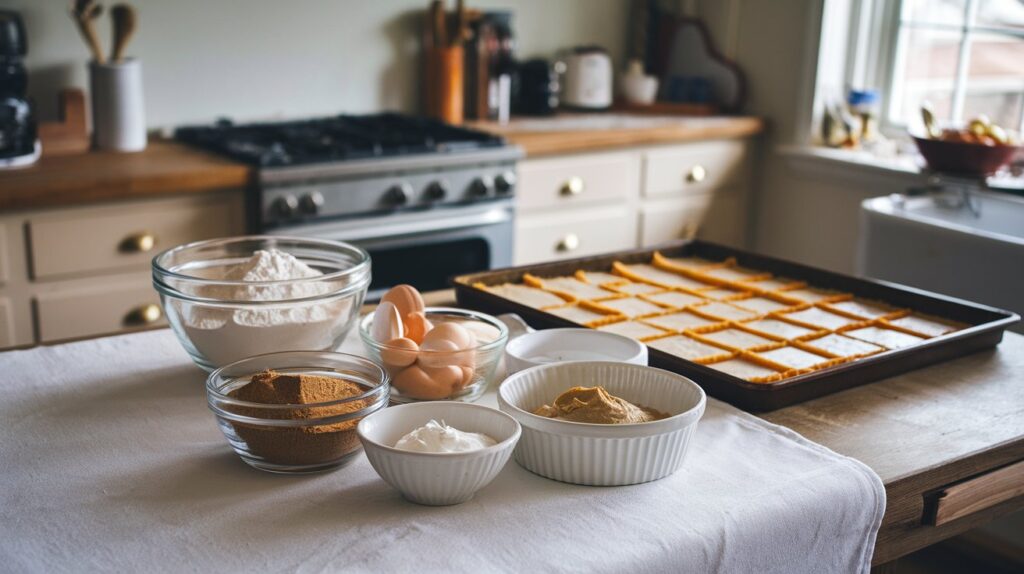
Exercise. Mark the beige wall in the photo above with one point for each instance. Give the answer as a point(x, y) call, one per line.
point(251, 59)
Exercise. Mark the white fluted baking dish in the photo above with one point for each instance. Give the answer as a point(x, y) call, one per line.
point(596, 454)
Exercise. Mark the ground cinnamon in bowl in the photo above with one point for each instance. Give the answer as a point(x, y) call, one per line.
point(295, 447)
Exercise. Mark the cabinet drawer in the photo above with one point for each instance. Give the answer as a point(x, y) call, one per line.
point(573, 234)
point(701, 166)
point(669, 220)
point(106, 307)
point(578, 180)
point(974, 495)
point(123, 237)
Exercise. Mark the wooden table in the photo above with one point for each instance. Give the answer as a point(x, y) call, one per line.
point(955, 423)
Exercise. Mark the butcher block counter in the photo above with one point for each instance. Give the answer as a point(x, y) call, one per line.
point(164, 168)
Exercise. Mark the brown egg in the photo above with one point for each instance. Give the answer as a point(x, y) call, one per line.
point(450, 377)
point(467, 378)
point(399, 352)
point(416, 383)
point(453, 332)
point(440, 354)
point(406, 298)
point(387, 323)
point(416, 326)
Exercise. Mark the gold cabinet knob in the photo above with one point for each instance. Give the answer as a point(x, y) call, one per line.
point(696, 174)
point(138, 243)
point(568, 243)
point(143, 315)
point(573, 186)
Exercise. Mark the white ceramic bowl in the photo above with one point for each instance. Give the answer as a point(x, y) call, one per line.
point(437, 479)
point(560, 345)
point(595, 454)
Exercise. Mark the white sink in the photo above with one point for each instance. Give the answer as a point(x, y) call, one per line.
point(968, 245)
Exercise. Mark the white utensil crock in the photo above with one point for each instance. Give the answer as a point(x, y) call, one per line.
point(118, 115)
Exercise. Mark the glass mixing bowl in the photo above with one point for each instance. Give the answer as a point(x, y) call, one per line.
point(219, 321)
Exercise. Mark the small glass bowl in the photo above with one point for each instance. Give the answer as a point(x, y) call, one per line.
point(296, 438)
point(220, 321)
point(479, 363)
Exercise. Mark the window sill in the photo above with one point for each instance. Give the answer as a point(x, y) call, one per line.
point(855, 166)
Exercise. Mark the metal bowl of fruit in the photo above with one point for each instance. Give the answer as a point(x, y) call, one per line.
point(980, 148)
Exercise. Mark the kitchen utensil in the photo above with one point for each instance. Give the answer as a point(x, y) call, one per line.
point(588, 79)
point(560, 345)
point(118, 112)
point(963, 158)
point(603, 454)
point(18, 143)
point(438, 479)
point(481, 359)
point(296, 439)
point(216, 325)
point(85, 13)
point(125, 21)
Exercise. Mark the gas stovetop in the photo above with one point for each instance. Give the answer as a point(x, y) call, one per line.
point(335, 139)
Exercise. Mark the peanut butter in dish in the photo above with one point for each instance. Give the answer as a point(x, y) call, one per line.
point(594, 405)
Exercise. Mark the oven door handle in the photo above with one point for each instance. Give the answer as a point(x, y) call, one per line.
point(378, 230)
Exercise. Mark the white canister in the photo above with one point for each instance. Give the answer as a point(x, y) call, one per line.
point(118, 115)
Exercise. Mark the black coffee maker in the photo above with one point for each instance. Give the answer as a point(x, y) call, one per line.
point(18, 141)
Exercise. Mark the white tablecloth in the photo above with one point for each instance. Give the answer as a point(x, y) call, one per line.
point(110, 460)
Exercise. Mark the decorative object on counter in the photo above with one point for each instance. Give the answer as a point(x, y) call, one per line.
point(296, 412)
point(19, 145)
point(603, 454)
point(638, 88)
point(84, 13)
point(490, 65)
point(691, 69)
point(227, 299)
point(124, 20)
point(70, 134)
point(976, 150)
point(537, 87)
point(865, 105)
point(559, 345)
point(588, 81)
point(750, 338)
point(432, 353)
point(444, 60)
point(438, 478)
point(118, 113)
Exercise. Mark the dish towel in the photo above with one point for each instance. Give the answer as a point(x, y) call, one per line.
point(111, 461)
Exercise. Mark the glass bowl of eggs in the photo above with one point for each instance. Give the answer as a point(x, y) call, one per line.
point(433, 353)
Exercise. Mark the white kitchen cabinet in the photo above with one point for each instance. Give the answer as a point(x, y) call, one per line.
point(569, 182)
point(575, 233)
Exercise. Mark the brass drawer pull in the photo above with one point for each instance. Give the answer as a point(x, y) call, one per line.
point(696, 174)
point(574, 186)
point(138, 243)
point(143, 315)
point(570, 242)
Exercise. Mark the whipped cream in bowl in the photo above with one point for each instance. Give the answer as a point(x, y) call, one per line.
point(229, 299)
point(439, 437)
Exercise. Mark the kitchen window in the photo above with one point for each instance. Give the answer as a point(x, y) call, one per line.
point(964, 56)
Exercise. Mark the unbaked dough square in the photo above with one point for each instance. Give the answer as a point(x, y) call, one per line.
point(762, 305)
point(821, 318)
point(679, 321)
point(888, 338)
point(720, 293)
point(632, 329)
point(814, 294)
point(781, 329)
point(690, 262)
point(737, 338)
point(631, 306)
point(674, 299)
point(725, 311)
point(735, 273)
point(577, 314)
point(661, 277)
point(743, 369)
point(772, 284)
point(843, 346)
point(526, 295)
point(864, 308)
point(599, 277)
point(926, 325)
point(794, 358)
point(574, 287)
point(686, 347)
point(635, 288)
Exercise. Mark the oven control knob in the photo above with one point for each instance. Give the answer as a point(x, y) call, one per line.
point(311, 203)
point(482, 186)
point(438, 190)
point(285, 205)
point(505, 182)
point(399, 194)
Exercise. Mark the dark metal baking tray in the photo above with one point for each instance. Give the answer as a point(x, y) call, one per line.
point(986, 323)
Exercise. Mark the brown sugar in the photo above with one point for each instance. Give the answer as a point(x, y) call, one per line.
point(298, 445)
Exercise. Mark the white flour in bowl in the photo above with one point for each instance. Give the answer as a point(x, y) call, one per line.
point(224, 335)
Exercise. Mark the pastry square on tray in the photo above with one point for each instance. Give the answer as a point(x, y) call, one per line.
point(568, 285)
point(816, 317)
point(842, 346)
point(525, 295)
point(724, 311)
point(632, 329)
point(687, 348)
point(630, 288)
point(580, 314)
point(688, 262)
point(793, 358)
point(772, 284)
point(722, 293)
point(779, 328)
point(888, 338)
point(864, 308)
point(631, 306)
point(737, 338)
point(735, 273)
point(815, 295)
point(673, 299)
point(762, 305)
point(747, 370)
point(598, 277)
point(679, 321)
point(928, 326)
point(651, 274)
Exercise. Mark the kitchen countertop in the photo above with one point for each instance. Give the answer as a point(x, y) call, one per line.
point(571, 133)
point(164, 168)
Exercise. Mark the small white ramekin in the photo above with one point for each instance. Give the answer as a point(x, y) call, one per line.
point(557, 345)
point(437, 479)
point(596, 454)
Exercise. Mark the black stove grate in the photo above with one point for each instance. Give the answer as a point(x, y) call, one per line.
point(333, 139)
